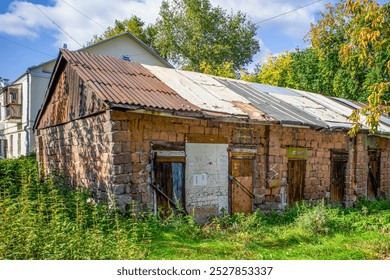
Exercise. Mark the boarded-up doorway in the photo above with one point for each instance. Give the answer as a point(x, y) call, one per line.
point(207, 180)
point(242, 182)
point(338, 172)
point(295, 180)
point(373, 180)
point(169, 170)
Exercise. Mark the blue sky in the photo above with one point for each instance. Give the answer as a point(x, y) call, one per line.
point(28, 37)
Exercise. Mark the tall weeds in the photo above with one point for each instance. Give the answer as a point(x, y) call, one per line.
point(41, 220)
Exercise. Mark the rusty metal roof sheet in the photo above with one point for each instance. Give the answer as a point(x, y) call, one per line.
point(118, 81)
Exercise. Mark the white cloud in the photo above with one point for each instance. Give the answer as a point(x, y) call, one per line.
point(23, 19)
point(293, 24)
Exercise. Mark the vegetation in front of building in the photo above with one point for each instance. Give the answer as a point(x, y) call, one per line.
point(40, 220)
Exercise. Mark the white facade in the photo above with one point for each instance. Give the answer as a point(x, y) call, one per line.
point(16, 129)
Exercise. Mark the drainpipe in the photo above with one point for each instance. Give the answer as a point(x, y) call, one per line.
point(27, 126)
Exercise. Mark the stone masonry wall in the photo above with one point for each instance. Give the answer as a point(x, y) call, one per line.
point(110, 153)
point(79, 152)
point(134, 133)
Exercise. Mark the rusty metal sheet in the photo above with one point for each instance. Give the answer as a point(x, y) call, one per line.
point(123, 82)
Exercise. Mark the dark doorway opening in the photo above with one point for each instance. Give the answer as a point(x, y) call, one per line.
point(339, 161)
point(169, 181)
point(373, 180)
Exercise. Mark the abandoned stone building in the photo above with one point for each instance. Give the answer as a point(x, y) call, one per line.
point(148, 137)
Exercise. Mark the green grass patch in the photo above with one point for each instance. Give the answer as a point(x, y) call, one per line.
point(41, 220)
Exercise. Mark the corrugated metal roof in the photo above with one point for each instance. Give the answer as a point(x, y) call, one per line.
point(384, 123)
point(120, 82)
point(117, 81)
point(273, 107)
point(318, 111)
point(202, 91)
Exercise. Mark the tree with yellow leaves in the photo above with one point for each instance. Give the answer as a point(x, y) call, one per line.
point(354, 38)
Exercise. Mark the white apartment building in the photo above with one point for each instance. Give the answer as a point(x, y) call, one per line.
point(21, 100)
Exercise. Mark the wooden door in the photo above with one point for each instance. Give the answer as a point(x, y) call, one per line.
point(169, 177)
point(338, 171)
point(373, 180)
point(296, 180)
point(242, 183)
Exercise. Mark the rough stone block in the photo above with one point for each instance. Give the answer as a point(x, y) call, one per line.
point(121, 158)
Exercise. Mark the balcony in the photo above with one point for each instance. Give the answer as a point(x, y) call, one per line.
point(12, 95)
point(13, 112)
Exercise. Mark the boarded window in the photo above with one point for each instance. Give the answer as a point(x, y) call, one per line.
point(242, 182)
point(295, 180)
point(373, 180)
point(339, 160)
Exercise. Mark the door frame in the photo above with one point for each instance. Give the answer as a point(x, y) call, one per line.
point(167, 156)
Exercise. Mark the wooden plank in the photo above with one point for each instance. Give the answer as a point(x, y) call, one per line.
point(208, 138)
point(242, 184)
point(242, 155)
point(338, 177)
point(168, 146)
point(296, 180)
point(170, 159)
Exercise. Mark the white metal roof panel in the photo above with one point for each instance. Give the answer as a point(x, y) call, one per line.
point(214, 87)
point(318, 111)
point(201, 95)
point(382, 119)
point(277, 109)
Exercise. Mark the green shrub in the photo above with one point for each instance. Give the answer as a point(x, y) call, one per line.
point(314, 219)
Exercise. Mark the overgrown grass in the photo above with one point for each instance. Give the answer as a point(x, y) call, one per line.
point(39, 220)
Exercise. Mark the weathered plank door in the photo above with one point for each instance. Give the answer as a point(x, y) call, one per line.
point(169, 178)
point(242, 184)
point(296, 180)
point(373, 180)
point(338, 174)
